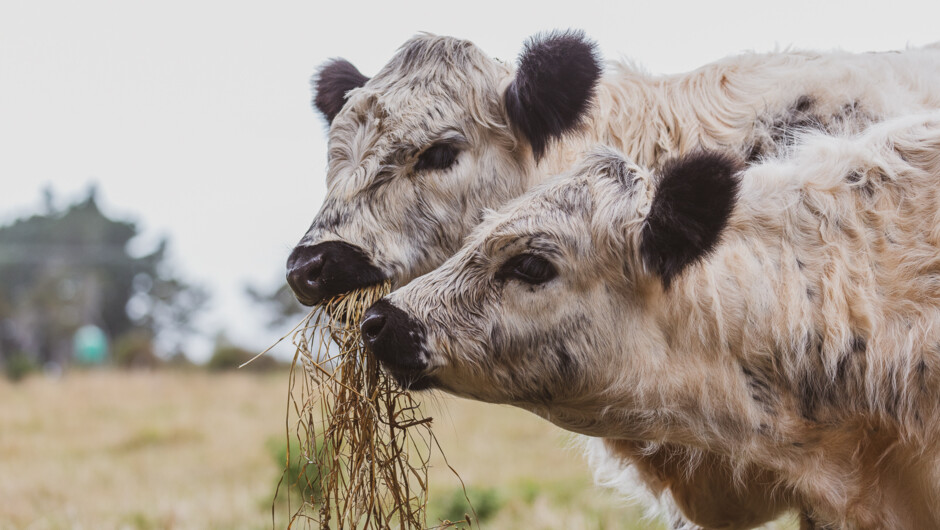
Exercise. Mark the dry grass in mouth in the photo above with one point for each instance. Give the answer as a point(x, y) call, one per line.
point(364, 444)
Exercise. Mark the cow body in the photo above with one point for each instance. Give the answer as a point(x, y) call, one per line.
point(419, 152)
point(785, 318)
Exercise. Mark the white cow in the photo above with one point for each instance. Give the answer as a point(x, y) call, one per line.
point(785, 317)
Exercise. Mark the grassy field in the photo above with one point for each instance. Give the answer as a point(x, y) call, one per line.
point(167, 450)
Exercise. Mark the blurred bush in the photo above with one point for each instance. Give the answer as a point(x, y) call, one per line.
point(134, 349)
point(18, 365)
point(179, 361)
point(230, 357)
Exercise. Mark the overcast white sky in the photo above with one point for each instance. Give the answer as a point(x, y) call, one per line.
point(193, 117)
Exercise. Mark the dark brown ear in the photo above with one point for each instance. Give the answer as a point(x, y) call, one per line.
point(331, 83)
point(553, 88)
point(691, 206)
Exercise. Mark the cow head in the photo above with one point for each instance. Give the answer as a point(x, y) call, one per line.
point(418, 152)
point(553, 302)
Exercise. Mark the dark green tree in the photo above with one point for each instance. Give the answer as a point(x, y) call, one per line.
point(63, 269)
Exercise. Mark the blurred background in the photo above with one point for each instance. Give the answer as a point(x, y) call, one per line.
point(158, 161)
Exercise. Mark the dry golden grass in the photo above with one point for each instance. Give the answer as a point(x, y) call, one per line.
point(139, 450)
point(172, 450)
point(363, 443)
point(528, 467)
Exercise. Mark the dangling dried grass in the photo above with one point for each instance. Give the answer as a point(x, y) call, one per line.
point(364, 444)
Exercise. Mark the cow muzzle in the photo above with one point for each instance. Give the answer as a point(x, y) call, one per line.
point(327, 269)
point(397, 341)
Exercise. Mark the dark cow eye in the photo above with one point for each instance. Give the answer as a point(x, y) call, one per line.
point(528, 268)
point(438, 156)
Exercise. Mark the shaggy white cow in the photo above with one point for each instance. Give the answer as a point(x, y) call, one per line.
point(786, 317)
point(443, 132)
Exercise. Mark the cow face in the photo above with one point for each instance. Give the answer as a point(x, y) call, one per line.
point(418, 152)
point(552, 303)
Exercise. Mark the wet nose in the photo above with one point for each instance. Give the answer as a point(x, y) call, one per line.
point(327, 269)
point(396, 339)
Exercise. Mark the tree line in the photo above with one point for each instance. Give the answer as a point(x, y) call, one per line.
point(67, 275)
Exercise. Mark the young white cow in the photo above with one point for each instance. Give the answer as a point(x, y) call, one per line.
point(786, 317)
point(443, 132)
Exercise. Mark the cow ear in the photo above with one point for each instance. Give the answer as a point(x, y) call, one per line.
point(553, 87)
point(331, 83)
point(691, 206)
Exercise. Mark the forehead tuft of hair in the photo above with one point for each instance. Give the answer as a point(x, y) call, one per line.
point(607, 161)
point(691, 205)
point(448, 74)
point(433, 57)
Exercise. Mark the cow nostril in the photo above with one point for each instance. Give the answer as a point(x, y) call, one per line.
point(304, 275)
point(313, 268)
point(372, 327)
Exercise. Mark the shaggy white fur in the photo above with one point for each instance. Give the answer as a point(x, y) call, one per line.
point(800, 354)
point(440, 89)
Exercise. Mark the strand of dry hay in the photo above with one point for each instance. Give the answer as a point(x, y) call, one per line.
point(364, 444)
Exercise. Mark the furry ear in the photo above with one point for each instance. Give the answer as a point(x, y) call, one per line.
point(553, 87)
point(691, 206)
point(331, 83)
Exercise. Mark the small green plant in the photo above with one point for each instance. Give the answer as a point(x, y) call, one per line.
point(18, 366)
point(486, 502)
point(528, 490)
point(299, 474)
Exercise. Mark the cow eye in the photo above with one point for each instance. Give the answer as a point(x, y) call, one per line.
point(437, 157)
point(528, 268)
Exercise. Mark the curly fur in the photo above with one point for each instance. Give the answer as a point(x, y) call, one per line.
point(409, 220)
point(802, 354)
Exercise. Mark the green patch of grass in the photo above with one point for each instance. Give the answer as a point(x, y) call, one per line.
point(453, 506)
point(558, 492)
point(528, 490)
point(151, 437)
point(141, 521)
point(299, 475)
